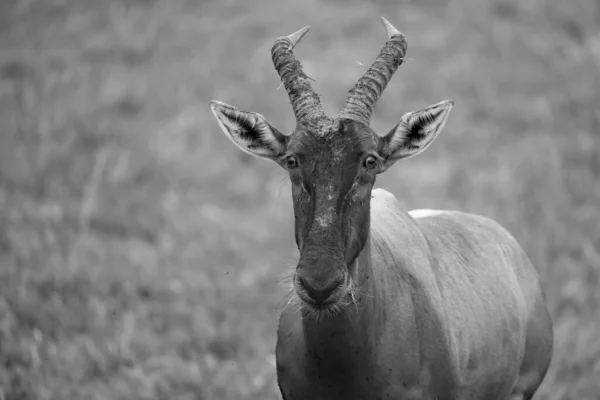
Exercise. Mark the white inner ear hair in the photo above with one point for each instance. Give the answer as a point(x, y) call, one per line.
point(249, 131)
point(434, 117)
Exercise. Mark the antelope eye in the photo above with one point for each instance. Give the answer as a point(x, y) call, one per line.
point(291, 162)
point(370, 162)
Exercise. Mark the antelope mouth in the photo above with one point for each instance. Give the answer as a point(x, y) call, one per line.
point(341, 297)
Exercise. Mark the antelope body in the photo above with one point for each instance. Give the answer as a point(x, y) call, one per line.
point(391, 304)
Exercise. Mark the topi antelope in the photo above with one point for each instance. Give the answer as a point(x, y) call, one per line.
point(392, 304)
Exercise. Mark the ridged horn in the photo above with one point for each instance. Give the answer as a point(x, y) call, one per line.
point(363, 97)
point(305, 101)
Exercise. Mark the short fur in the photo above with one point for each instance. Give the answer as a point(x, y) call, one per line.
point(449, 307)
point(389, 304)
point(426, 304)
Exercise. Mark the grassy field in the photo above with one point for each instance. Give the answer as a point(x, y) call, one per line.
point(141, 253)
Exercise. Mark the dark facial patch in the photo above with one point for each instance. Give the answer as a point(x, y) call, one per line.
point(331, 191)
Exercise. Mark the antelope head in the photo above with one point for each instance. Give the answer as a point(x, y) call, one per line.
point(332, 163)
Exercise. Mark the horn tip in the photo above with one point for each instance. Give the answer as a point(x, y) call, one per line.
point(299, 34)
point(215, 103)
point(390, 29)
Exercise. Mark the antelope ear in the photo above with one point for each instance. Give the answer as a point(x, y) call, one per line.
point(415, 132)
point(250, 131)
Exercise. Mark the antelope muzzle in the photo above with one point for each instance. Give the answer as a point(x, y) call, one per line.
point(320, 281)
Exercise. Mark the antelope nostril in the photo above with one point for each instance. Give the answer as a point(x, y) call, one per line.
point(317, 291)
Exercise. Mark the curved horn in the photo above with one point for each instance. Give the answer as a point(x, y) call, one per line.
point(359, 105)
point(305, 101)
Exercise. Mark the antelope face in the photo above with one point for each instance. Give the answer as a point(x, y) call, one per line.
point(332, 164)
point(331, 177)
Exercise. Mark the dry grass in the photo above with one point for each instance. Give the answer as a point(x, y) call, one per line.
point(141, 252)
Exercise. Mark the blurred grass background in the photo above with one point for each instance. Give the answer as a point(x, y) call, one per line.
point(140, 252)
